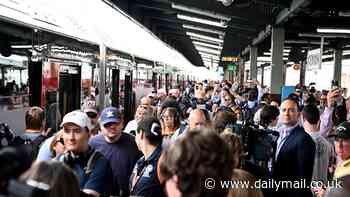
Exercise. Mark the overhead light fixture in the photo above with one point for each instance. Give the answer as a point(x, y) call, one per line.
point(203, 29)
point(204, 49)
point(226, 2)
point(209, 55)
point(204, 37)
point(268, 59)
point(333, 30)
point(204, 40)
point(284, 50)
point(200, 12)
point(209, 60)
point(203, 21)
point(269, 53)
point(207, 45)
point(21, 46)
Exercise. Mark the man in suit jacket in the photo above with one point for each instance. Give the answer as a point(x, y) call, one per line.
point(295, 154)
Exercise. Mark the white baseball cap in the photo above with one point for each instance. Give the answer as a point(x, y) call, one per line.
point(77, 117)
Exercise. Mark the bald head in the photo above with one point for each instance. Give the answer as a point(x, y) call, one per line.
point(197, 118)
point(146, 101)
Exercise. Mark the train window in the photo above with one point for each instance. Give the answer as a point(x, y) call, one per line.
point(13, 83)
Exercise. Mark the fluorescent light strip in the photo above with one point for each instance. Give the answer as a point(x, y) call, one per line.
point(22, 46)
point(269, 53)
point(200, 20)
point(203, 29)
point(284, 50)
point(200, 12)
point(208, 60)
point(204, 40)
point(208, 50)
point(204, 37)
point(207, 45)
point(333, 30)
point(209, 55)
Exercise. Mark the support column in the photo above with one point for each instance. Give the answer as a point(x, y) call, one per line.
point(277, 44)
point(262, 74)
point(102, 80)
point(337, 64)
point(302, 72)
point(241, 71)
point(253, 62)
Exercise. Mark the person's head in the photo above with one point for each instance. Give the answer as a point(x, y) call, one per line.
point(229, 100)
point(339, 114)
point(91, 111)
point(170, 118)
point(174, 92)
point(342, 140)
point(14, 161)
point(148, 133)
point(244, 176)
point(252, 94)
point(111, 124)
point(198, 118)
point(269, 116)
point(57, 144)
point(59, 178)
point(199, 90)
point(189, 161)
point(275, 103)
point(75, 131)
point(323, 100)
point(146, 102)
point(223, 120)
point(224, 92)
point(142, 112)
point(289, 112)
point(235, 145)
point(35, 118)
point(310, 116)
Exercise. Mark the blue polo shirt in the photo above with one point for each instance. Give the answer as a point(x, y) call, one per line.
point(145, 177)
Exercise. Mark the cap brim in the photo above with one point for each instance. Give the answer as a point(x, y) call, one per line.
point(110, 120)
point(90, 110)
point(74, 122)
point(339, 136)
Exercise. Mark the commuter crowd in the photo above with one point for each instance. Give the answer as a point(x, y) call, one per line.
point(179, 139)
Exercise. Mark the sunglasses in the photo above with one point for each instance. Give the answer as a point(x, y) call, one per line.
point(91, 114)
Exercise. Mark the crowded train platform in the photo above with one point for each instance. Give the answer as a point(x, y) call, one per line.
point(160, 98)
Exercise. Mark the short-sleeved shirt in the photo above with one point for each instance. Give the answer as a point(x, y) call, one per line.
point(44, 151)
point(144, 180)
point(122, 156)
point(99, 179)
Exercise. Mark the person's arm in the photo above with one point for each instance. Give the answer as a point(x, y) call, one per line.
point(326, 117)
point(237, 96)
point(306, 155)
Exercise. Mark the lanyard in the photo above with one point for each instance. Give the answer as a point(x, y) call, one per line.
point(136, 178)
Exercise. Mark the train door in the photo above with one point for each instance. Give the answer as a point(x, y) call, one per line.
point(167, 84)
point(160, 81)
point(69, 88)
point(115, 87)
point(35, 83)
point(128, 97)
point(154, 80)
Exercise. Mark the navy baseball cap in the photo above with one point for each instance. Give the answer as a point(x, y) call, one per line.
point(342, 131)
point(109, 115)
